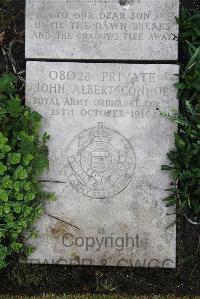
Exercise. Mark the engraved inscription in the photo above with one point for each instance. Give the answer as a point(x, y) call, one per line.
point(102, 29)
point(102, 162)
point(108, 94)
point(108, 140)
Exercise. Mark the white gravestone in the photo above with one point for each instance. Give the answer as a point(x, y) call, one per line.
point(102, 29)
point(108, 142)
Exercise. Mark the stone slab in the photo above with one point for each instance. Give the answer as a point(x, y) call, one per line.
point(108, 142)
point(102, 29)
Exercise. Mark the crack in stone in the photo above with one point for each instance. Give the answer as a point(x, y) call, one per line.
point(50, 181)
point(54, 217)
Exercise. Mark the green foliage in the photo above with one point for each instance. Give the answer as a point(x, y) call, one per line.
point(5, 2)
point(23, 158)
point(185, 158)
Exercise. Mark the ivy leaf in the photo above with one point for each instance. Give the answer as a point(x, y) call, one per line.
point(15, 107)
point(27, 186)
point(14, 158)
point(30, 196)
point(28, 158)
point(28, 211)
point(35, 117)
point(7, 83)
point(16, 186)
point(3, 141)
point(16, 246)
point(6, 208)
point(3, 168)
point(6, 149)
point(19, 196)
point(23, 223)
point(7, 183)
point(3, 251)
point(20, 173)
point(29, 250)
point(3, 195)
point(17, 208)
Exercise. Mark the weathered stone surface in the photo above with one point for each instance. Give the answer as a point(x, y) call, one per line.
point(102, 29)
point(108, 142)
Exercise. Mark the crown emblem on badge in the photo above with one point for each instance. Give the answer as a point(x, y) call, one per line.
point(99, 134)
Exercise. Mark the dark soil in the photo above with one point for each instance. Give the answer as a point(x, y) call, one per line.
point(40, 279)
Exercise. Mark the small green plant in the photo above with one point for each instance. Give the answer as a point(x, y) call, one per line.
point(23, 158)
point(185, 158)
point(5, 2)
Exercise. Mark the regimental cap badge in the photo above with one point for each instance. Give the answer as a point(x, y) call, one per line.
point(100, 167)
